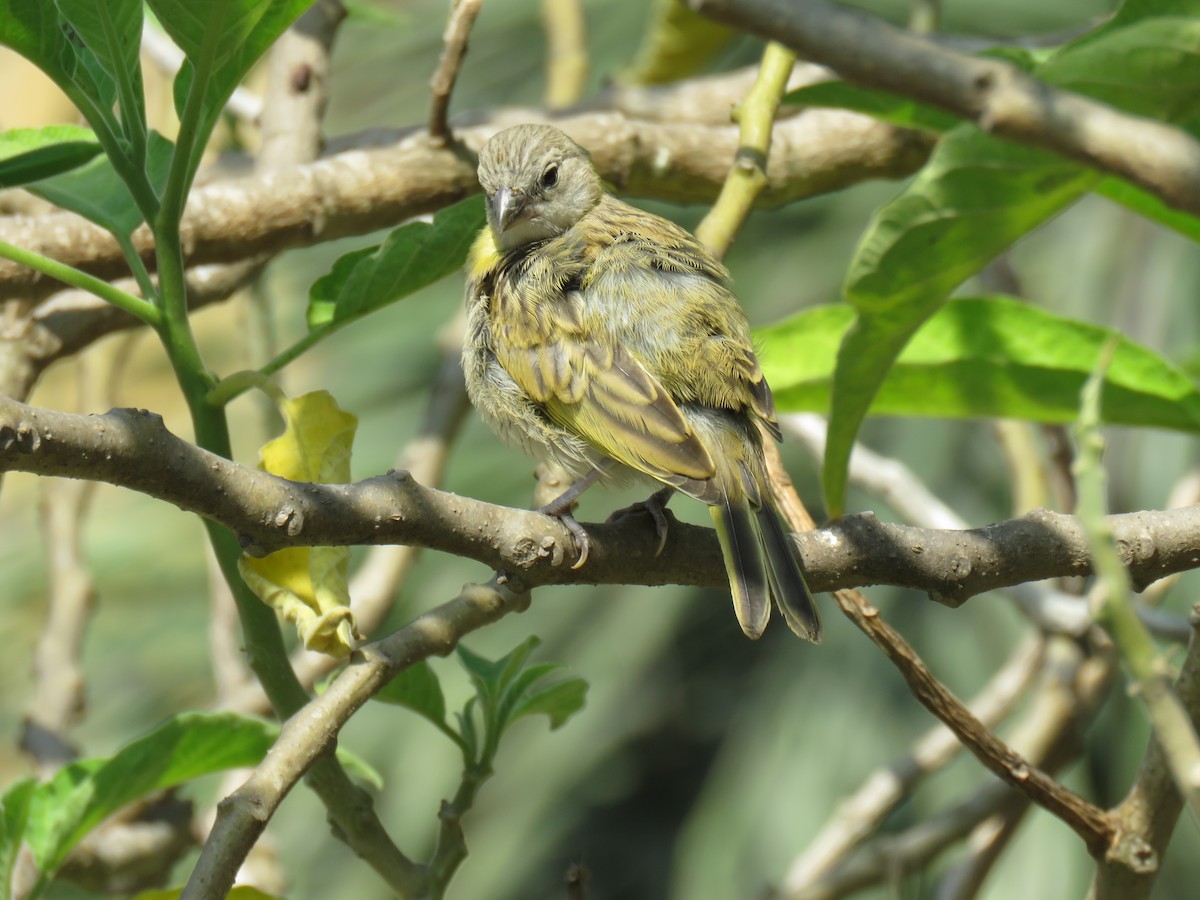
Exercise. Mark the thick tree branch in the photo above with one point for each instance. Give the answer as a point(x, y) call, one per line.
point(997, 96)
point(362, 190)
point(133, 449)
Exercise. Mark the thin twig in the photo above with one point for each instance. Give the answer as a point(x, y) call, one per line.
point(1152, 806)
point(748, 174)
point(1149, 671)
point(860, 815)
point(454, 48)
point(1089, 822)
point(312, 731)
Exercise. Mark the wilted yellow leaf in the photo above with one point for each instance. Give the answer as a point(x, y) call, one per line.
point(308, 585)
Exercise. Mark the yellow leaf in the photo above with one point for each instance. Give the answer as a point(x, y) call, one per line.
point(308, 585)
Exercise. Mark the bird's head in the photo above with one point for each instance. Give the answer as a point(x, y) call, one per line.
point(538, 183)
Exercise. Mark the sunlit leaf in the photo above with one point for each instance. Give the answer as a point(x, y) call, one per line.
point(221, 40)
point(413, 256)
point(112, 30)
point(1150, 67)
point(977, 195)
point(14, 816)
point(984, 357)
point(418, 689)
point(878, 104)
point(83, 794)
point(31, 154)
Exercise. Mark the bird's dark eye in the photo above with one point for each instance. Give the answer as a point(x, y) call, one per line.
point(550, 176)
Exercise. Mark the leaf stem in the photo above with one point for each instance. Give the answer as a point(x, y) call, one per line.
point(135, 306)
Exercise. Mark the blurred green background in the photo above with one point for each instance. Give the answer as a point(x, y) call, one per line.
point(703, 763)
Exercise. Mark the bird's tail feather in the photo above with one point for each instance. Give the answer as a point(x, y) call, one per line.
point(792, 596)
point(764, 564)
point(747, 565)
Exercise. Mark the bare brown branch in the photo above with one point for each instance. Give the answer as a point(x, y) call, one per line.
point(458, 29)
point(133, 449)
point(997, 96)
point(363, 190)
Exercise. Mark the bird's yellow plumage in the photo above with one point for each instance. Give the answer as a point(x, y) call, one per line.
point(606, 339)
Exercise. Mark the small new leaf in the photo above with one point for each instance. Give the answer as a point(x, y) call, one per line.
point(418, 689)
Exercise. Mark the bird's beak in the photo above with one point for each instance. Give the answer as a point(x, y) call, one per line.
point(504, 206)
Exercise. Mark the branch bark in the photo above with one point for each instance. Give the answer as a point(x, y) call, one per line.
point(362, 190)
point(133, 449)
point(997, 96)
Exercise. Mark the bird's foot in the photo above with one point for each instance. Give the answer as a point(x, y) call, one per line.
point(561, 509)
point(654, 506)
point(563, 514)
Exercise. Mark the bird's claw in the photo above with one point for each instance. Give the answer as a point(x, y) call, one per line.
point(562, 512)
point(656, 507)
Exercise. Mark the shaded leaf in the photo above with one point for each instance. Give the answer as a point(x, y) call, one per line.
point(37, 30)
point(881, 105)
point(985, 357)
point(239, 892)
point(559, 701)
point(410, 258)
point(99, 194)
point(418, 689)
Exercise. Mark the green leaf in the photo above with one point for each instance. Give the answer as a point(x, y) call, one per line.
point(410, 258)
point(975, 197)
point(1149, 67)
point(418, 689)
point(881, 105)
point(83, 794)
point(221, 39)
point(1136, 10)
point(491, 677)
point(466, 728)
point(112, 30)
point(14, 816)
point(359, 769)
point(1148, 205)
point(31, 154)
point(985, 357)
point(36, 30)
point(559, 701)
point(100, 195)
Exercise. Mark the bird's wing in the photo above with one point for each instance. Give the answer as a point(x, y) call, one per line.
point(607, 397)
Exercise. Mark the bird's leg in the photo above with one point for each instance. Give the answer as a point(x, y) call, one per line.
point(655, 505)
point(560, 508)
